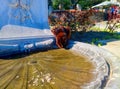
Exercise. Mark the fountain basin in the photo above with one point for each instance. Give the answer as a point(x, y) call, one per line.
point(106, 65)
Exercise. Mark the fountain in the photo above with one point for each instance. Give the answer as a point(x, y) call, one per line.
point(24, 26)
point(24, 29)
point(28, 13)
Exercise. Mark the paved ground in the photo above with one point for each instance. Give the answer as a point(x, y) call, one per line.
point(103, 25)
point(113, 46)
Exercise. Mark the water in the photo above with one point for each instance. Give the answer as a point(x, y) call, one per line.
point(52, 69)
point(30, 13)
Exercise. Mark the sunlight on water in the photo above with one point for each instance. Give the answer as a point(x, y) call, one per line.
point(52, 69)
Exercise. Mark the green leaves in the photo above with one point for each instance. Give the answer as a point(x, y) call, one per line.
point(65, 4)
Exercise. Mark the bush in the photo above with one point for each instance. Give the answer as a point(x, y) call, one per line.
point(77, 20)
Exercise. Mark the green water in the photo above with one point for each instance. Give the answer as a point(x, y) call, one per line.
point(53, 69)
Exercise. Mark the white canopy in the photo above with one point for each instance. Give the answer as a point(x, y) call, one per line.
point(106, 3)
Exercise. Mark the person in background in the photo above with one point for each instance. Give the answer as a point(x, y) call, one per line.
point(112, 12)
point(116, 12)
point(109, 14)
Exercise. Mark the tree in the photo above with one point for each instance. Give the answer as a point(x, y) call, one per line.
point(65, 4)
point(49, 2)
point(74, 3)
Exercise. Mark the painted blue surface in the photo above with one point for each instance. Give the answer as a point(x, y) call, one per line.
point(24, 26)
point(35, 15)
point(18, 39)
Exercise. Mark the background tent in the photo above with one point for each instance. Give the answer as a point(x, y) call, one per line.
point(106, 3)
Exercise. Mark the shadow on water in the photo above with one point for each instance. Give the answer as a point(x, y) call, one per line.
point(16, 56)
point(94, 37)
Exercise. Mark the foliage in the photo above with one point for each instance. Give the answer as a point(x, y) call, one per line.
point(98, 41)
point(95, 37)
point(113, 24)
point(65, 4)
point(77, 20)
point(72, 3)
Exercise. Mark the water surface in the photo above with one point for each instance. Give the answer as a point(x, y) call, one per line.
point(53, 69)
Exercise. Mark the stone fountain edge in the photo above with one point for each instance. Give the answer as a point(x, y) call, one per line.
point(106, 65)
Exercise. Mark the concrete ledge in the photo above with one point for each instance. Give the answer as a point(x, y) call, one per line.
point(9, 49)
point(107, 66)
point(15, 31)
point(6, 49)
point(17, 39)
